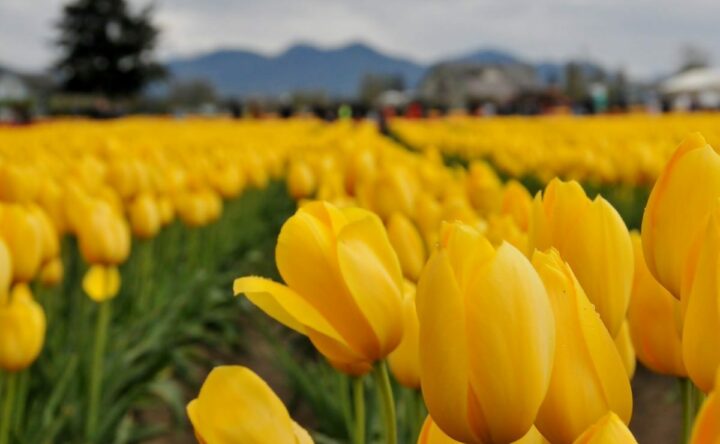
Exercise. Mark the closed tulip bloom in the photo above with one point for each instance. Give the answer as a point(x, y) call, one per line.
point(625, 348)
point(431, 434)
point(707, 424)
point(235, 406)
point(22, 329)
point(405, 359)
point(609, 429)
point(144, 215)
point(652, 317)
point(50, 238)
point(103, 235)
point(588, 375)
point(686, 190)
point(593, 239)
point(344, 285)
point(52, 272)
point(408, 245)
point(700, 339)
point(487, 337)
point(484, 188)
point(101, 283)
point(22, 232)
point(517, 202)
point(301, 180)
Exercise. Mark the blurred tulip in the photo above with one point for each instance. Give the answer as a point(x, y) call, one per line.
point(408, 245)
point(484, 188)
point(103, 235)
point(52, 272)
point(405, 360)
point(6, 272)
point(235, 406)
point(517, 203)
point(18, 184)
point(487, 337)
point(707, 423)
point(677, 209)
point(701, 326)
point(346, 292)
point(608, 430)
point(652, 316)
point(101, 283)
point(22, 329)
point(49, 236)
point(431, 434)
point(144, 215)
point(23, 234)
point(626, 350)
point(588, 375)
point(301, 180)
point(593, 239)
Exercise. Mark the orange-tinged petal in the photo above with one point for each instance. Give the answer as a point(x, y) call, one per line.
point(625, 349)
point(707, 423)
point(512, 327)
point(405, 360)
point(608, 430)
point(432, 434)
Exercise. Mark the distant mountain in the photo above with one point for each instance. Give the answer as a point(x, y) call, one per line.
point(493, 56)
point(302, 67)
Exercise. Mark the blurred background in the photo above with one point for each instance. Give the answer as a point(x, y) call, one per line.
point(407, 57)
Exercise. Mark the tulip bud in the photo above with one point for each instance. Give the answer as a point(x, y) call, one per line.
point(405, 360)
point(22, 330)
point(408, 245)
point(300, 180)
point(103, 235)
point(677, 209)
point(593, 239)
point(608, 429)
point(652, 317)
point(431, 434)
point(346, 292)
point(101, 283)
point(707, 423)
point(22, 233)
point(144, 216)
point(485, 377)
point(235, 406)
point(588, 377)
point(700, 339)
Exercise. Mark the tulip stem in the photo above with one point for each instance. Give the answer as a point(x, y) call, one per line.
point(96, 370)
point(359, 398)
point(691, 404)
point(7, 408)
point(382, 380)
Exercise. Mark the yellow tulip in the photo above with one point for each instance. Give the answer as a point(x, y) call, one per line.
point(483, 188)
point(103, 235)
point(300, 180)
point(608, 430)
point(22, 329)
point(625, 348)
point(101, 283)
point(707, 424)
point(701, 326)
point(52, 272)
point(235, 406)
point(49, 235)
point(18, 184)
point(517, 202)
point(23, 234)
point(405, 359)
point(408, 245)
point(593, 239)
point(652, 317)
point(677, 209)
point(144, 215)
point(588, 376)
point(344, 285)
point(487, 337)
point(431, 434)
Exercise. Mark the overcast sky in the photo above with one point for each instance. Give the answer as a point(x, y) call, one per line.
point(642, 36)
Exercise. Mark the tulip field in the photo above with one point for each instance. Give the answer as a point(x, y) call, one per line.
point(458, 280)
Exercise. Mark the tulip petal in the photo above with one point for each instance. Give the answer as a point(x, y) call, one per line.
point(372, 272)
point(284, 305)
point(444, 363)
point(609, 429)
point(101, 283)
point(509, 308)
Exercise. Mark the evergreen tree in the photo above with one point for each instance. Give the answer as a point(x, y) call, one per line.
point(106, 48)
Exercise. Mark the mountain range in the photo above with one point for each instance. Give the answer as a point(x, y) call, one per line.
point(336, 71)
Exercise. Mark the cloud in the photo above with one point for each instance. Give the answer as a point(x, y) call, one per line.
point(643, 36)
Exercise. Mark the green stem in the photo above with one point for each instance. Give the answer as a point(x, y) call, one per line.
point(345, 402)
point(382, 380)
point(689, 407)
point(359, 395)
point(7, 408)
point(96, 370)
